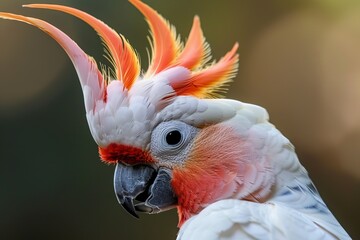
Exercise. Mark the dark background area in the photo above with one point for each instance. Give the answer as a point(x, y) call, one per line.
point(299, 59)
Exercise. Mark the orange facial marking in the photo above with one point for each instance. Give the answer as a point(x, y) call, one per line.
point(210, 173)
point(126, 154)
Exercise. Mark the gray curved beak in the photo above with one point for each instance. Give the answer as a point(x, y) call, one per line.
point(141, 188)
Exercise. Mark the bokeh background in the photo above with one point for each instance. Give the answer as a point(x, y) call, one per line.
point(300, 59)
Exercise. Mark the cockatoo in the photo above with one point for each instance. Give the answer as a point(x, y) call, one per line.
point(229, 172)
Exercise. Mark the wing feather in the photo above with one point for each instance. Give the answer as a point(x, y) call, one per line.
point(236, 219)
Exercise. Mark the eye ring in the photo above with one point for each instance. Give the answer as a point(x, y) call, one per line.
point(171, 141)
point(173, 137)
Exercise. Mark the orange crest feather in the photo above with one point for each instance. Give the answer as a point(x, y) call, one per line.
point(165, 46)
point(206, 81)
point(196, 51)
point(121, 54)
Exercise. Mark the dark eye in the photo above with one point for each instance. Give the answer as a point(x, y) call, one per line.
point(171, 140)
point(173, 137)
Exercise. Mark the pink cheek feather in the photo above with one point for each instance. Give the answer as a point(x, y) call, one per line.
point(221, 165)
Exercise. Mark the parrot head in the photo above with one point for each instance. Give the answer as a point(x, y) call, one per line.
point(168, 135)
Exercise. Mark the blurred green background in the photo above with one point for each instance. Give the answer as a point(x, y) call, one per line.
point(300, 59)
